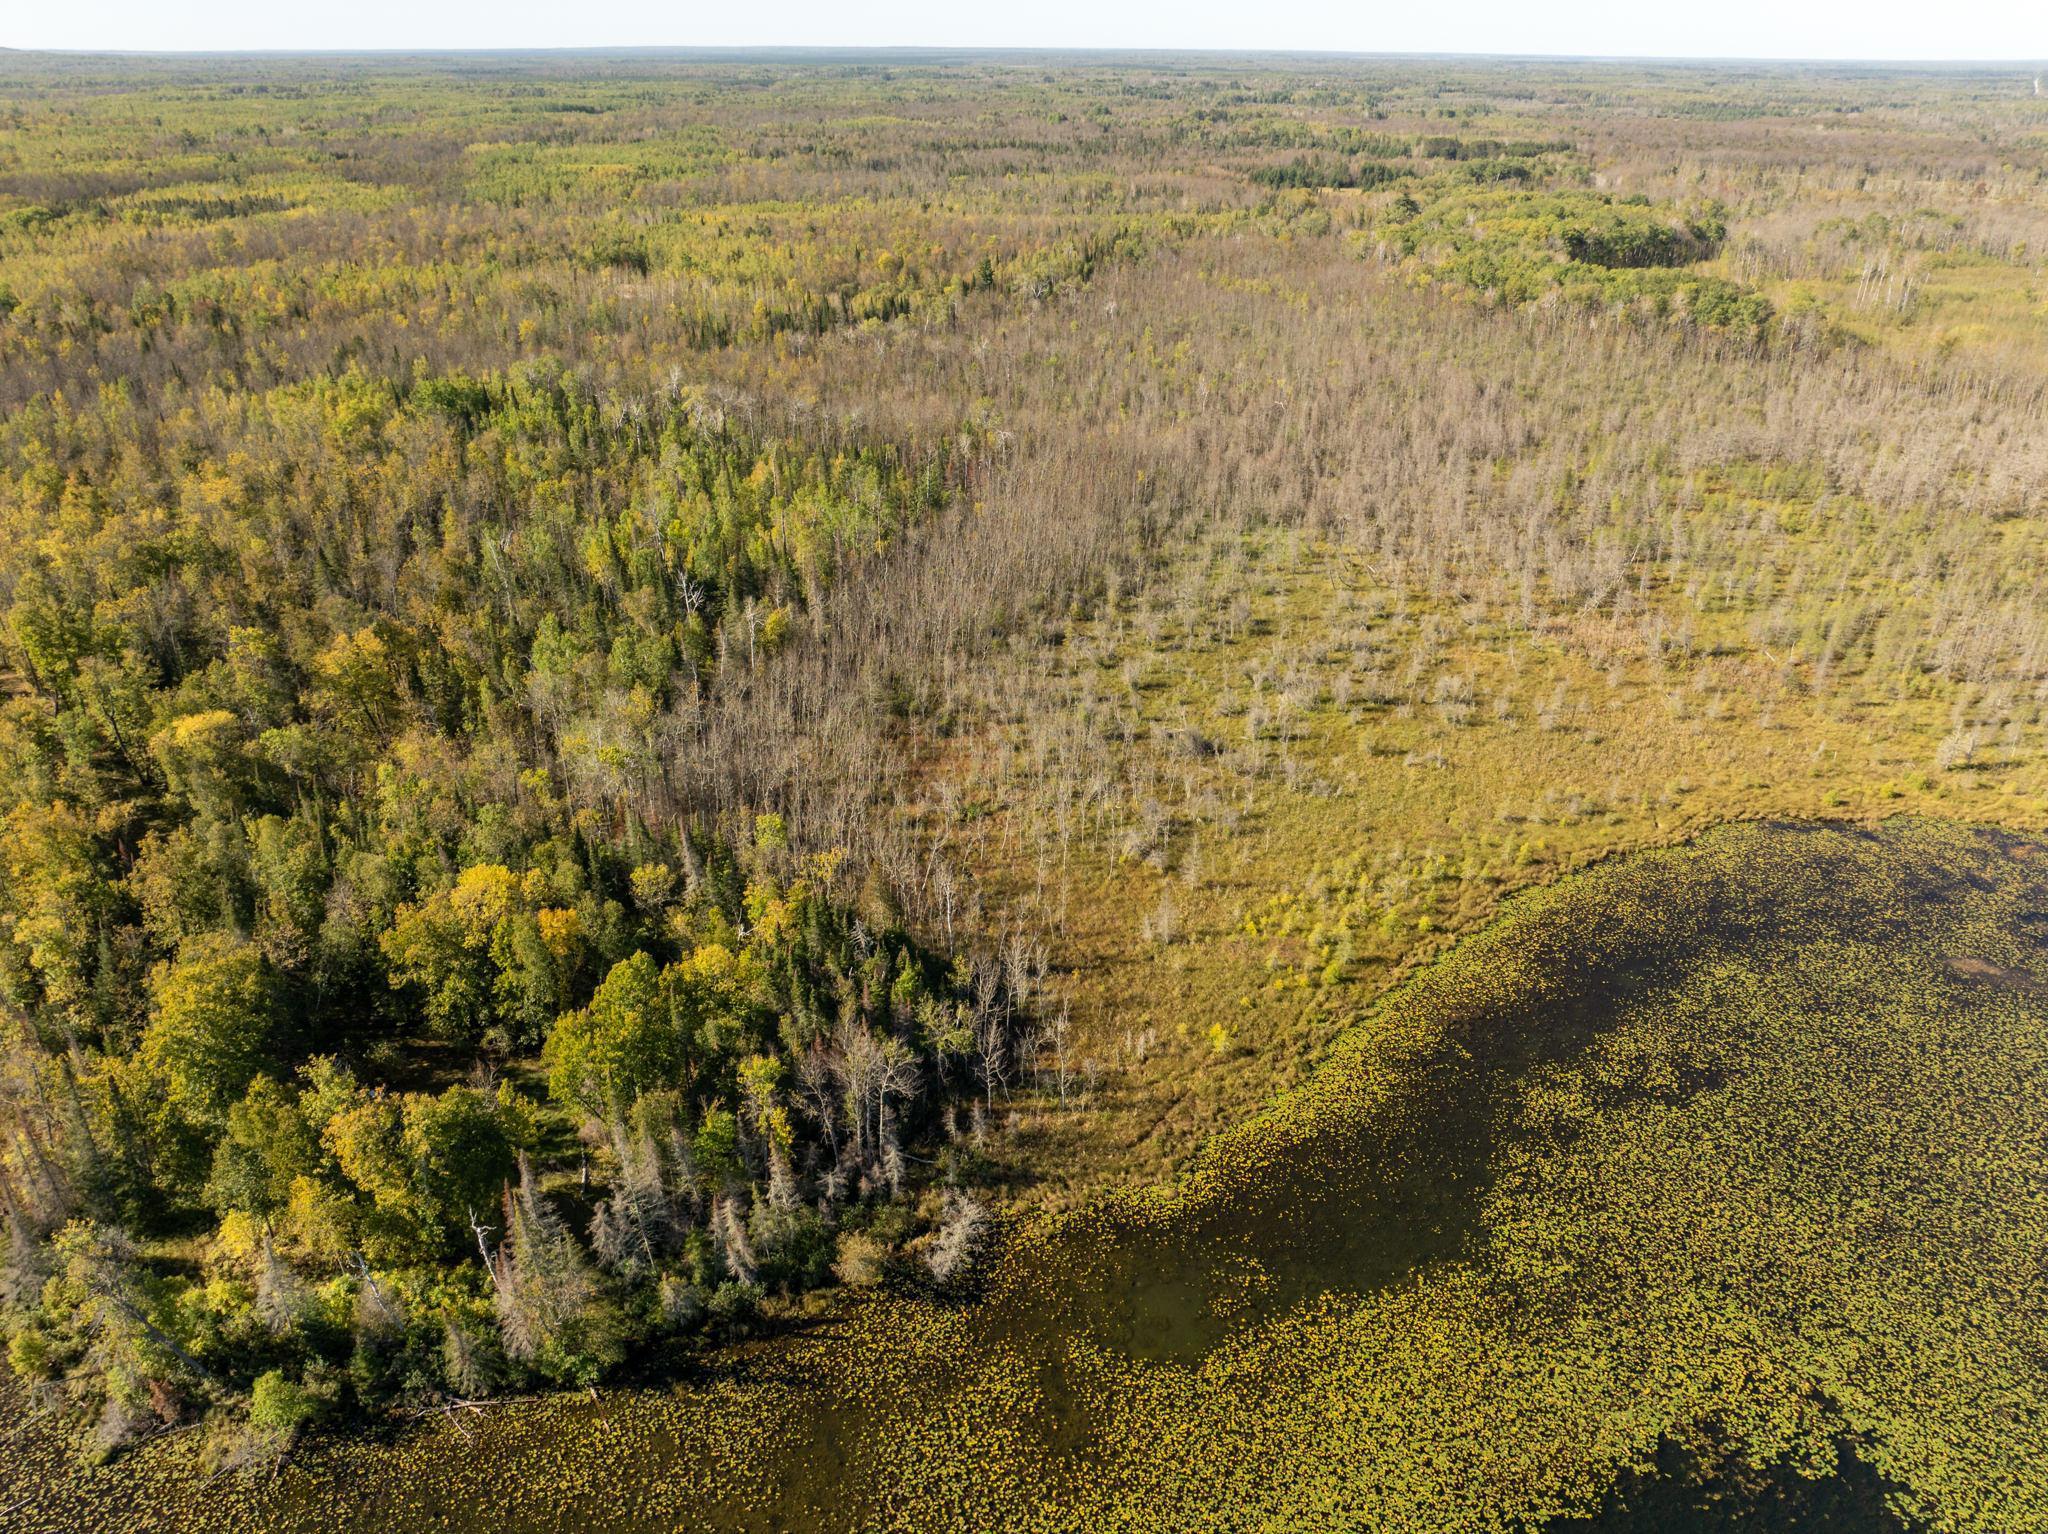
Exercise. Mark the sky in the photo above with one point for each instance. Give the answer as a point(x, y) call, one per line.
point(1780, 29)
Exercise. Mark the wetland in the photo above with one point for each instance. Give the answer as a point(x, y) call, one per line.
point(915, 791)
point(1705, 1185)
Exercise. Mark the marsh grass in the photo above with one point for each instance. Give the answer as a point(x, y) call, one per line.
point(1307, 868)
point(1719, 1157)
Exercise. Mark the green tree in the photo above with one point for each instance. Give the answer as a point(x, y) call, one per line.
point(397, 1226)
point(267, 1144)
point(629, 1040)
point(213, 1017)
point(56, 898)
point(289, 870)
point(463, 1147)
point(278, 1404)
point(429, 1165)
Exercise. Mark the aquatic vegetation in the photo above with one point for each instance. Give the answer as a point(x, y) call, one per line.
point(632, 687)
point(1731, 1151)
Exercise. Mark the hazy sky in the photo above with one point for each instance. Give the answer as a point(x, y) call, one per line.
point(1854, 29)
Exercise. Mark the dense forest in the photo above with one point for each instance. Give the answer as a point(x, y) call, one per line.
point(635, 689)
point(409, 996)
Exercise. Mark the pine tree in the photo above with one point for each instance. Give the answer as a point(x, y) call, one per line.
point(729, 1226)
point(466, 1361)
point(551, 1307)
point(280, 1297)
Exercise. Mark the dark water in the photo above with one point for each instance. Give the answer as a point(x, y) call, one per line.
point(1348, 1191)
point(1356, 1204)
point(1681, 1495)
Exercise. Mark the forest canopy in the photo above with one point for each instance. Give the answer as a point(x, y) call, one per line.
point(389, 1018)
point(638, 695)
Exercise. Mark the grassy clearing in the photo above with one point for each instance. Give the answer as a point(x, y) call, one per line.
point(1287, 782)
point(1959, 305)
point(438, 472)
point(1728, 1153)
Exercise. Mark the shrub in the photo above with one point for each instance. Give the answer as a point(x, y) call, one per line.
point(279, 1404)
point(863, 1260)
point(29, 1354)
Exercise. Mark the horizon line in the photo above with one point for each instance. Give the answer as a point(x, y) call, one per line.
point(911, 50)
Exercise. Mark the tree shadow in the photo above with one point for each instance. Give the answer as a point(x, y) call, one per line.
point(1686, 1492)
